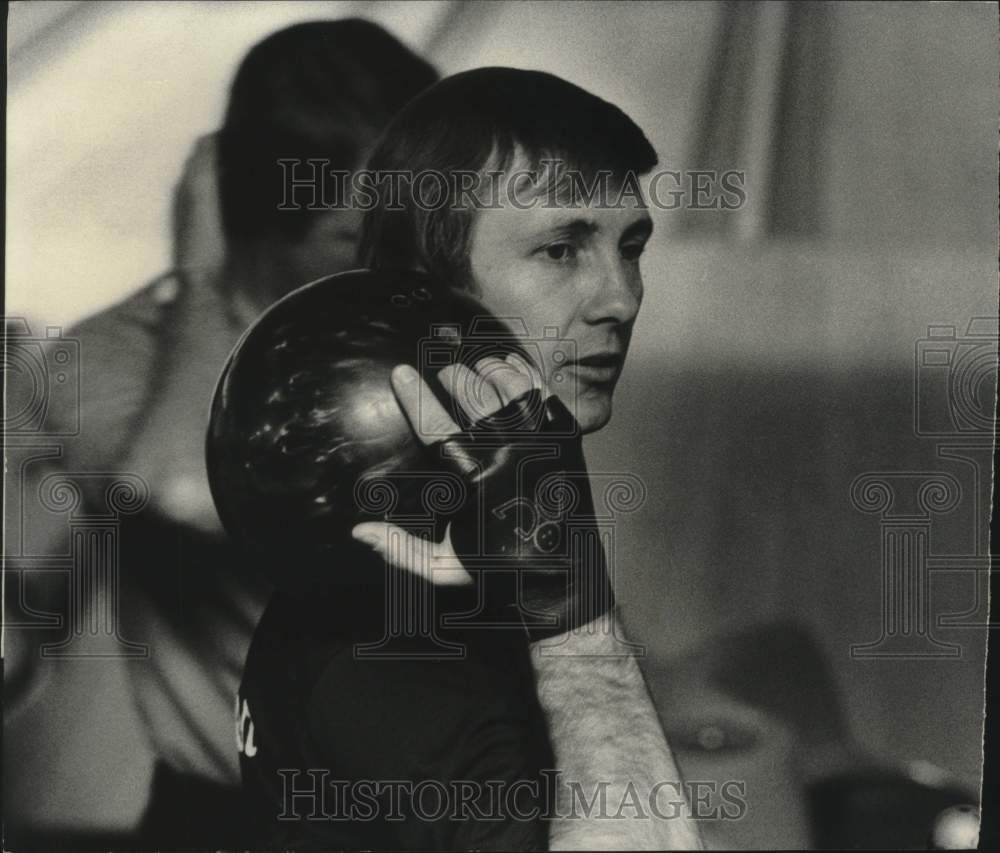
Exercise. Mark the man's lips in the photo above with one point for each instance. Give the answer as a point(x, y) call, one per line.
point(600, 359)
point(599, 367)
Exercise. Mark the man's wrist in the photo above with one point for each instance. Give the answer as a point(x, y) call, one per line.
point(602, 636)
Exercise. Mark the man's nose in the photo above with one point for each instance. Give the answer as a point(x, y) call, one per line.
point(617, 293)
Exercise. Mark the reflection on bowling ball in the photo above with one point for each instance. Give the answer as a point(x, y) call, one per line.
point(306, 438)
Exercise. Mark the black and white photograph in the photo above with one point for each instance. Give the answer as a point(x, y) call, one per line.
point(467, 425)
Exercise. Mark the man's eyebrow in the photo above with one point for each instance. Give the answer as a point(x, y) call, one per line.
point(583, 227)
point(640, 228)
point(579, 227)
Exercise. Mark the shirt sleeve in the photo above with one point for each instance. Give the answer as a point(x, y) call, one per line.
point(118, 359)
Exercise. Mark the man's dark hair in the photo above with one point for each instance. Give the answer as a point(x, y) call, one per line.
point(478, 121)
point(322, 89)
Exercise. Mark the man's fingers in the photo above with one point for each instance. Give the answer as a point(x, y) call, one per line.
point(528, 369)
point(435, 562)
point(493, 384)
point(509, 382)
point(474, 393)
point(428, 418)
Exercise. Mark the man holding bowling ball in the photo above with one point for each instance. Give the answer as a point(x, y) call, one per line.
point(545, 673)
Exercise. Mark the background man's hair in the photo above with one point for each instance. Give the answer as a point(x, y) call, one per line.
point(322, 89)
point(483, 120)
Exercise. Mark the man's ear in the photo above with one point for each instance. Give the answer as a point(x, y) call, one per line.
point(198, 239)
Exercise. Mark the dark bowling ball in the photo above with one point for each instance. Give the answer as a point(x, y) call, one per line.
point(306, 438)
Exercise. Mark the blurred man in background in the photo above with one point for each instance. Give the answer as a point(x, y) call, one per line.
point(320, 90)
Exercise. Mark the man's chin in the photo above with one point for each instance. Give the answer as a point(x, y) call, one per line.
point(592, 412)
point(589, 403)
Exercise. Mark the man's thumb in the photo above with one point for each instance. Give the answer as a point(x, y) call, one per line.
point(403, 550)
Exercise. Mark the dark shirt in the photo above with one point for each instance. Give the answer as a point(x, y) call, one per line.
point(340, 726)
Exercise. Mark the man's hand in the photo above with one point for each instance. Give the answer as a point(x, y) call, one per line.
point(525, 529)
point(198, 240)
point(498, 383)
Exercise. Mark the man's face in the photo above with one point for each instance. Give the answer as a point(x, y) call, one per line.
point(574, 269)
